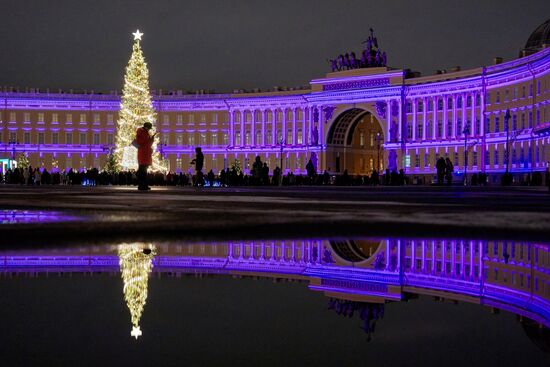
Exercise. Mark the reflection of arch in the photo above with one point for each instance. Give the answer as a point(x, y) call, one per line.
point(355, 250)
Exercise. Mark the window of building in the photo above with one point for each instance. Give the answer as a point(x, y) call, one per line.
point(110, 118)
point(12, 116)
point(523, 91)
point(96, 118)
point(279, 136)
point(289, 139)
point(497, 98)
point(179, 120)
point(55, 117)
point(202, 139)
point(514, 122)
point(68, 138)
point(300, 137)
point(27, 117)
point(530, 119)
point(110, 139)
point(203, 117)
point(495, 156)
point(191, 139)
point(191, 118)
point(179, 139)
point(420, 106)
point(41, 117)
point(225, 139)
point(41, 138)
point(82, 117)
point(237, 138)
point(268, 136)
point(69, 117)
point(178, 163)
point(538, 87)
point(96, 139)
point(55, 138)
point(27, 138)
point(82, 138)
point(258, 137)
point(215, 117)
point(214, 139)
point(13, 137)
point(165, 139)
point(497, 124)
point(247, 138)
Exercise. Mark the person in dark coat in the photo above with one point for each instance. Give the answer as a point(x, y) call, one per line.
point(440, 166)
point(144, 142)
point(198, 162)
point(449, 169)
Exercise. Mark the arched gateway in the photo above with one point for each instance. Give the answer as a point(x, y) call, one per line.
point(355, 143)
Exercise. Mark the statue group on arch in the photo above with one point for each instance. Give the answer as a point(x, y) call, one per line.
point(372, 56)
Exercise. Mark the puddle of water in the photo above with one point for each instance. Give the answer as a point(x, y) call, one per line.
point(368, 280)
point(34, 216)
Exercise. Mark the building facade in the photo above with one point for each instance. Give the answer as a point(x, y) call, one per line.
point(489, 119)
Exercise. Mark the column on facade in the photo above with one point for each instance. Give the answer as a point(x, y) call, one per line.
point(445, 118)
point(482, 129)
point(304, 127)
point(423, 256)
point(389, 120)
point(462, 259)
point(424, 117)
point(464, 120)
point(231, 128)
point(253, 127)
point(294, 126)
point(264, 118)
point(307, 133)
point(274, 127)
point(473, 115)
point(414, 119)
point(472, 265)
point(321, 126)
point(400, 137)
point(243, 132)
point(283, 128)
point(453, 258)
point(455, 116)
point(434, 122)
point(434, 257)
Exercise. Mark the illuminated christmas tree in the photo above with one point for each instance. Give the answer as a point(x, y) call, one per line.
point(135, 110)
point(23, 161)
point(136, 262)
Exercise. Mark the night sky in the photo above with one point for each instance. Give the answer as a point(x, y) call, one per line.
point(226, 45)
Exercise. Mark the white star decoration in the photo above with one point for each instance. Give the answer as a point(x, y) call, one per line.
point(137, 35)
point(136, 332)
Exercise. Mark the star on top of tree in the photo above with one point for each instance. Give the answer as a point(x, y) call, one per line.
point(137, 35)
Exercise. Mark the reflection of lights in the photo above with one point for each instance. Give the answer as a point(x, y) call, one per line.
point(31, 216)
point(136, 262)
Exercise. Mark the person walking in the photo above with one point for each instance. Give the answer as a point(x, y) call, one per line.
point(449, 169)
point(440, 167)
point(198, 162)
point(144, 142)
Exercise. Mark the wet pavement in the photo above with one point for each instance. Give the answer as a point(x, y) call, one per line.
point(219, 213)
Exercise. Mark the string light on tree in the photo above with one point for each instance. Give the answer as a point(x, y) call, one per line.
point(136, 262)
point(136, 109)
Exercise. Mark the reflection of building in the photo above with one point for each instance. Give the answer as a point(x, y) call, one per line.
point(509, 275)
point(338, 118)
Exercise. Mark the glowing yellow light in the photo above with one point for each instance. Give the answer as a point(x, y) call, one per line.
point(136, 262)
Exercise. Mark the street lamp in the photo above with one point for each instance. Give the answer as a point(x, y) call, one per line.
point(378, 148)
point(281, 158)
point(466, 131)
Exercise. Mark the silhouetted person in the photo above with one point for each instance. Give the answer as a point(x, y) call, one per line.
point(211, 177)
point(449, 169)
point(198, 162)
point(440, 167)
point(310, 171)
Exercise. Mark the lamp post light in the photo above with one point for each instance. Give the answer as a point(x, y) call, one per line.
point(281, 158)
point(378, 149)
point(466, 131)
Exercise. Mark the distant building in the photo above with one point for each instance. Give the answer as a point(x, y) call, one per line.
point(355, 120)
